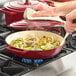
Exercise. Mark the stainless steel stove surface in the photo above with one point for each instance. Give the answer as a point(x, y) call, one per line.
point(12, 65)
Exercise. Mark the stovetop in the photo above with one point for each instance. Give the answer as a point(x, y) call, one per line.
point(12, 65)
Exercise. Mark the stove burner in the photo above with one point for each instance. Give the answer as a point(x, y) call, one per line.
point(25, 60)
point(9, 68)
point(12, 70)
point(36, 61)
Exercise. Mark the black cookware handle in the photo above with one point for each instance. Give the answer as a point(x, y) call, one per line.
point(64, 18)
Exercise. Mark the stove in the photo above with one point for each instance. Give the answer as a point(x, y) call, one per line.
point(12, 65)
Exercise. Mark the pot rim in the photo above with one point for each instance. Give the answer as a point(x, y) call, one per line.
point(20, 6)
point(30, 50)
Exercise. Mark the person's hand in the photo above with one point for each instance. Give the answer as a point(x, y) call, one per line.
point(46, 11)
point(69, 26)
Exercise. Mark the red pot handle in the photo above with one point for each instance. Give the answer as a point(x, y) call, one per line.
point(4, 10)
point(15, 50)
point(54, 29)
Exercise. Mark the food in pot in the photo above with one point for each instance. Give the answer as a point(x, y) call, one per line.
point(34, 43)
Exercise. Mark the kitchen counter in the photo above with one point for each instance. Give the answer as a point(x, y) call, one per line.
point(55, 68)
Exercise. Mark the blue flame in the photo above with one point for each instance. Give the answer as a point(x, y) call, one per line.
point(36, 61)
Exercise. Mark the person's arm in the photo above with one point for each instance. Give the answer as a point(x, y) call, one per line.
point(65, 9)
point(69, 26)
point(54, 11)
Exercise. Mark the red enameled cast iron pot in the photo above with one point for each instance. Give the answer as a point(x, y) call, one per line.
point(33, 54)
point(14, 9)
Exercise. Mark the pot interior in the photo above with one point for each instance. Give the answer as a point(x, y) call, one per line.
point(32, 33)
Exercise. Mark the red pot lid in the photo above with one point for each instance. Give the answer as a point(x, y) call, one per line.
point(20, 5)
point(32, 24)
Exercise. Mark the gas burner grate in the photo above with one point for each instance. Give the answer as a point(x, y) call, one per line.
point(9, 68)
